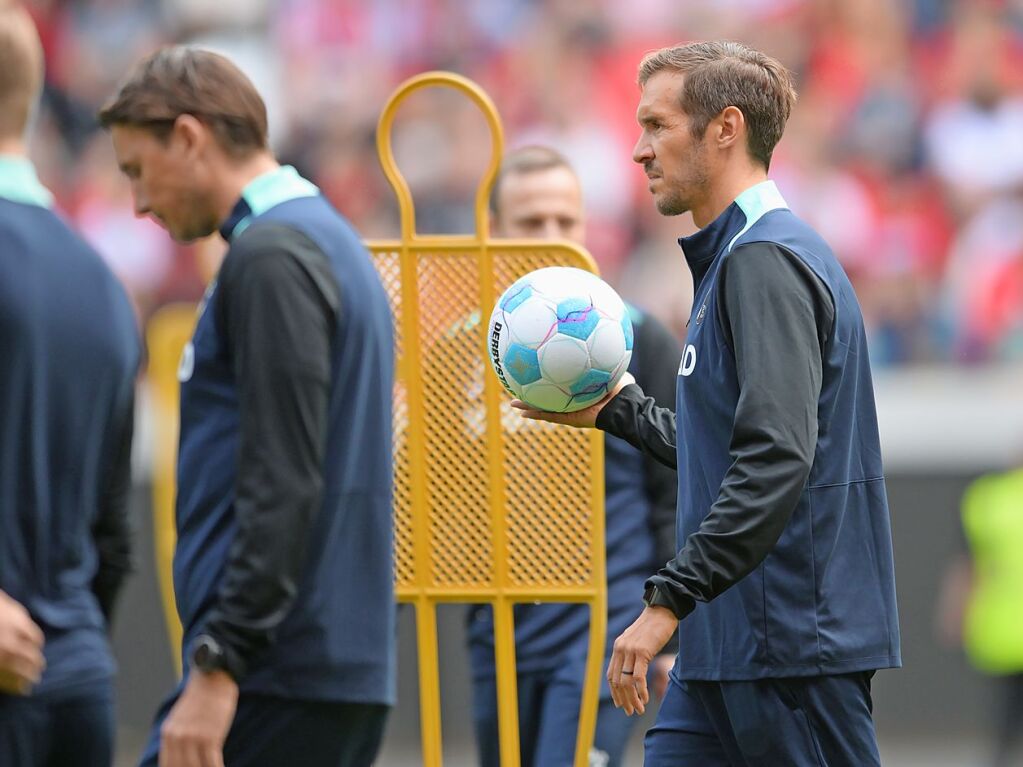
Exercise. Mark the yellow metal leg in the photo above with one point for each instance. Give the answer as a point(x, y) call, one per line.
point(507, 687)
point(429, 683)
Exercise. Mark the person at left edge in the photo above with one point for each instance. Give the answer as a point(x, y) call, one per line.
point(69, 356)
point(282, 571)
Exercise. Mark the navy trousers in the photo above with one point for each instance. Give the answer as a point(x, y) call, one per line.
point(822, 721)
point(270, 732)
point(77, 731)
point(548, 721)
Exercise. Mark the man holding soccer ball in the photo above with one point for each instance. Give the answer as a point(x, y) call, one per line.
point(783, 586)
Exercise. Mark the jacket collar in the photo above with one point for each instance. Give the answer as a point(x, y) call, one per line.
point(719, 235)
point(19, 182)
point(262, 193)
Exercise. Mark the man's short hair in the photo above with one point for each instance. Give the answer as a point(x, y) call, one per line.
point(181, 80)
point(524, 160)
point(721, 74)
point(21, 69)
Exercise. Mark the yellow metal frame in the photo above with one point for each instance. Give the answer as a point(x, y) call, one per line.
point(419, 587)
point(169, 329)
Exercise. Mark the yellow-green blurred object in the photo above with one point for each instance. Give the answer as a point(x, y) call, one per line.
point(993, 521)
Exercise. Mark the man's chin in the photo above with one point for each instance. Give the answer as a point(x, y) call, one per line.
point(667, 206)
point(186, 236)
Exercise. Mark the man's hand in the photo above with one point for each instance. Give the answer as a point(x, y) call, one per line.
point(583, 419)
point(194, 732)
point(21, 648)
point(658, 674)
point(633, 651)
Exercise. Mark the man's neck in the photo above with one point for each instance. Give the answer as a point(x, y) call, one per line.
point(725, 190)
point(237, 177)
point(13, 147)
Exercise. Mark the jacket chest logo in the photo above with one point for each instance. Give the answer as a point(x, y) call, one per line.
point(688, 363)
point(187, 364)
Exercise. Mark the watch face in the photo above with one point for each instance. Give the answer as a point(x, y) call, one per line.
point(201, 656)
point(206, 655)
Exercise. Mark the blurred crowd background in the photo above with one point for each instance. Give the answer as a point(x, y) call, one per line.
point(905, 150)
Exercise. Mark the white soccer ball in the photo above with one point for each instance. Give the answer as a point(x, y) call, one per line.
point(559, 339)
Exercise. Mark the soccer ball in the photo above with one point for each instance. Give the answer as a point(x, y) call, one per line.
point(559, 339)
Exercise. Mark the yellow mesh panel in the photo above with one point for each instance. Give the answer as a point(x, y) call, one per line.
point(544, 485)
point(388, 264)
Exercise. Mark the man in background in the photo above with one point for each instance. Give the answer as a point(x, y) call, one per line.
point(282, 570)
point(70, 349)
point(537, 195)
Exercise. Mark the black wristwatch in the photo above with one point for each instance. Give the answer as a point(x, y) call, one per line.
point(654, 597)
point(207, 655)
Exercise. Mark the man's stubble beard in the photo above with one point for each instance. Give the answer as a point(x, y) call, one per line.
point(696, 183)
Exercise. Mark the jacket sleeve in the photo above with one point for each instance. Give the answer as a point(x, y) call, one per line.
point(776, 316)
point(111, 531)
point(278, 304)
point(638, 420)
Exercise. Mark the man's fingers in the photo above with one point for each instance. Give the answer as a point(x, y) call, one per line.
point(31, 632)
point(614, 669)
point(639, 678)
point(212, 756)
point(28, 667)
point(168, 749)
point(638, 694)
point(25, 663)
point(193, 754)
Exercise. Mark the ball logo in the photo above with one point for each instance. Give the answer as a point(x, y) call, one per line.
point(688, 363)
point(495, 355)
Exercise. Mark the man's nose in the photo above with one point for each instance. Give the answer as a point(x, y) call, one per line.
point(642, 152)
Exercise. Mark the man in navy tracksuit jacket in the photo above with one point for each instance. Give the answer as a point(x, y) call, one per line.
point(69, 354)
point(283, 568)
point(783, 587)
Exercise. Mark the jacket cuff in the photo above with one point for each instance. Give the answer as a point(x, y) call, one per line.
point(669, 595)
point(629, 399)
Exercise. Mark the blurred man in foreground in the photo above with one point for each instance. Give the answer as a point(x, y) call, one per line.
point(282, 570)
point(70, 352)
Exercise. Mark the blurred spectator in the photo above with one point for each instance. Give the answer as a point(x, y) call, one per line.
point(903, 149)
point(984, 284)
point(137, 249)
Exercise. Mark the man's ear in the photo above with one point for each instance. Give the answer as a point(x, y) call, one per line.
point(191, 134)
point(731, 127)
